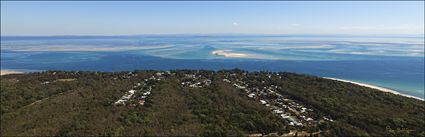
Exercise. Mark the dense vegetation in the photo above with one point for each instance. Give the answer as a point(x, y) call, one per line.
point(82, 103)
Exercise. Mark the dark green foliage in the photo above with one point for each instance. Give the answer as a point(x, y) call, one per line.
point(81, 103)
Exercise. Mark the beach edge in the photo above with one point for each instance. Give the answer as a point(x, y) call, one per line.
point(375, 87)
point(9, 71)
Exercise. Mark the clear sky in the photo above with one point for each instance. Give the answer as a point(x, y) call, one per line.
point(127, 18)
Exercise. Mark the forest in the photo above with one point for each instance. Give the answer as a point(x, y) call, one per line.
point(200, 103)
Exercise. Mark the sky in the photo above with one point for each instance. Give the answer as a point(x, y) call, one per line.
point(209, 17)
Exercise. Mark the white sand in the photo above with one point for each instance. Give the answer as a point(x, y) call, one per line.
point(227, 53)
point(5, 72)
point(375, 87)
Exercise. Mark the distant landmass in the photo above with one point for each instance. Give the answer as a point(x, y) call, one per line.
point(200, 103)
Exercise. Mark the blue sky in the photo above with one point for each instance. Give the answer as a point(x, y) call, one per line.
point(127, 18)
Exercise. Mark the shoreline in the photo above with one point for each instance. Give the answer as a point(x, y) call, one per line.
point(375, 87)
point(7, 72)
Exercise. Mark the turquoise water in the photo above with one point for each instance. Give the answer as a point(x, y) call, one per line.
point(395, 62)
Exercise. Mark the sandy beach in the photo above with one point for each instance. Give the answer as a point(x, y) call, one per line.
point(5, 72)
point(229, 54)
point(375, 87)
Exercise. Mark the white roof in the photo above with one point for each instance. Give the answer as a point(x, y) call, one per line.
point(147, 93)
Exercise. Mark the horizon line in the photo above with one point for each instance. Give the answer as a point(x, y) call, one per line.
point(208, 34)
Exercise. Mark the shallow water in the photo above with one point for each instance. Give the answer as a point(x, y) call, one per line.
point(394, 62)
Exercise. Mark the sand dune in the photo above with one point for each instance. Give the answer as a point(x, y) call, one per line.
point(228, 53)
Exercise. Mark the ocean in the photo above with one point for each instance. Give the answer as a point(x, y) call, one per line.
point(391, 61)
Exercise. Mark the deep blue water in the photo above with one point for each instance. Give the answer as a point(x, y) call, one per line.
point(395, 63)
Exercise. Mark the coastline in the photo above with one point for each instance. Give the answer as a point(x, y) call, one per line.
point(6, 72)
point(375, 87)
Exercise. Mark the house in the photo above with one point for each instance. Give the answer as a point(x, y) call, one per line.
point(271, 91)
point(121, 101)
point(291, 123)
point(255, 135)
point(284, 116)
point(252, 95)
point(298, 123)
point(238, 86)
point(142, 102)
point(303, 110)
point(147, 93)
point(328, 119)
point(277, 111)
point(263, 102)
